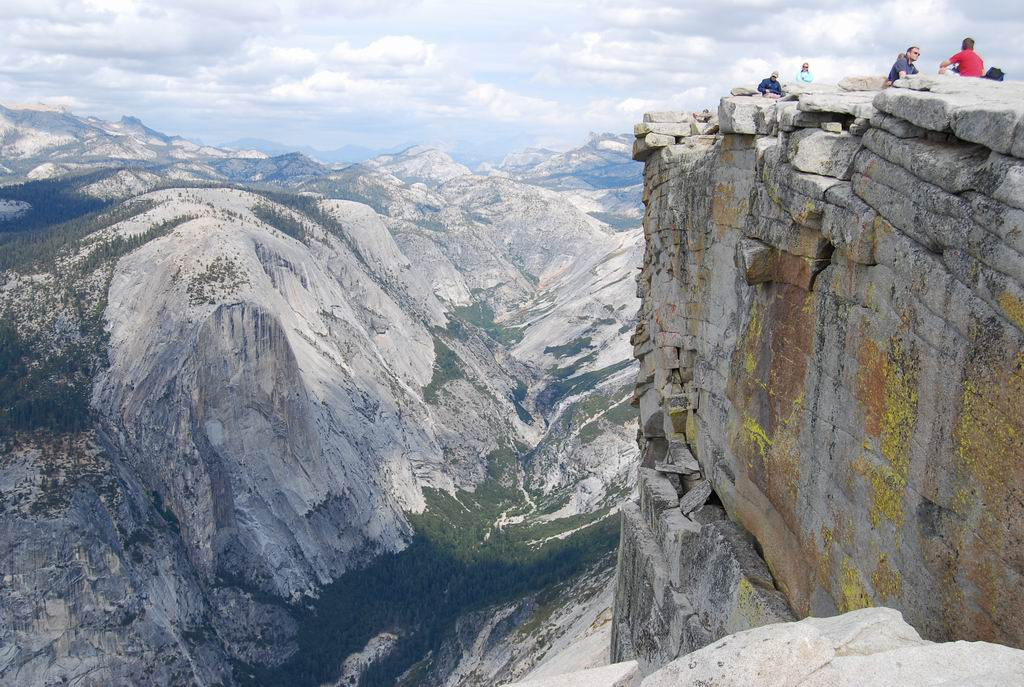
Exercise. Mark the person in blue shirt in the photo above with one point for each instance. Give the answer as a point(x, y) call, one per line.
point(904, 65)
point(805, 75)
point(770, 87)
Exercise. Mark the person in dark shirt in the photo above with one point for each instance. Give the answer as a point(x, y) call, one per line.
point(904, 65)
point(969, 63)
point(770, 87)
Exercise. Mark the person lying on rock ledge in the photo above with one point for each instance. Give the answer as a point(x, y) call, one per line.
point(770, 87)
point(904, 65)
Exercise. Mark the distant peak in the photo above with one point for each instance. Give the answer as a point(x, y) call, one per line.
point(421, 149)
point(38, 107)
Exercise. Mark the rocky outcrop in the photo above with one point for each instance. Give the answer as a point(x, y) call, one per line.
point(282, 462)
point(684, 580)
point(832, 340)
point(95, 587)
point(866, 647)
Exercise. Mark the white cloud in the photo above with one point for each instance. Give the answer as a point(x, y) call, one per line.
point(506, 106)
point(387, 50)
point(322, 71)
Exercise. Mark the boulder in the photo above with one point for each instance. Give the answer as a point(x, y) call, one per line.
point(896, 126)
point(664, 128)
point(790, 117)
point(728, 584)
point(862, 83)
point(798, 88)
point(745, 114)
point(743, 90)
point(849, 103)
point(756, 260)
point(860, 126)
point(644, 146)
point(668, 117)
point(872, 647)
point(926, 110)
point(975, 110)
point(821, 152)
point(696, 497)
point(651, 414)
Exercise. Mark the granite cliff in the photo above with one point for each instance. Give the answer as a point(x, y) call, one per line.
point(832, 362)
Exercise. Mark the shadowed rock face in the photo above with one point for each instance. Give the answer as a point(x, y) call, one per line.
point(843, 314)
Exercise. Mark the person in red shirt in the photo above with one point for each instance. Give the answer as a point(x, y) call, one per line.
point(969, 63)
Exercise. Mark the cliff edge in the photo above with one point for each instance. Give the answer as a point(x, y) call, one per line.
point(831, 344)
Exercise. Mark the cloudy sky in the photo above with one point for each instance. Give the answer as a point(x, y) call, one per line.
point(475, 74)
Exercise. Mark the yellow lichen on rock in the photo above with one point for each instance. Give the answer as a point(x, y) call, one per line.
point(1013, 307)
point(854, 593)
point(756, 434)
point(885, 579)
point(900, 407)
point(990, 432)
point(887, 386)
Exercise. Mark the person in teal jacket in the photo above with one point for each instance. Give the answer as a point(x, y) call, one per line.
point(805, 75)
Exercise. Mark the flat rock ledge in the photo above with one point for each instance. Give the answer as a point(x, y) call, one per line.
point(625, 674)
point(660, 129)
point(872, 647)
point(988, 113)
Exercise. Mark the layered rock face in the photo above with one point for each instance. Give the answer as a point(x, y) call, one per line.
point(832, 339)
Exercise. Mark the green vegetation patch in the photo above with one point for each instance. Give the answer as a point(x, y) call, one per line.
point(421, 592)
point(456, 563)
point(618, 414)
point(310, 207)
point(518, 396)
point(481, 315)
point(285, 223)
point(38, 250)
point(447, 368)
point(111, 250)
point(565, 384)
point(53, 201)
point(571, 349)
point(221, 277)
point(617, 222)
point(44, 387)
point(46, 378)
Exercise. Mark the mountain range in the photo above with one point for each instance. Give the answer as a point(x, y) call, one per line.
point(344, 154)
point(249, 397)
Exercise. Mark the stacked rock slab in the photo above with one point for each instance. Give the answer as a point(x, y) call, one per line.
point(832, 336)
point(660, 129)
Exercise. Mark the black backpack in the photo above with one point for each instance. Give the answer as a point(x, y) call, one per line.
point(994, 73)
